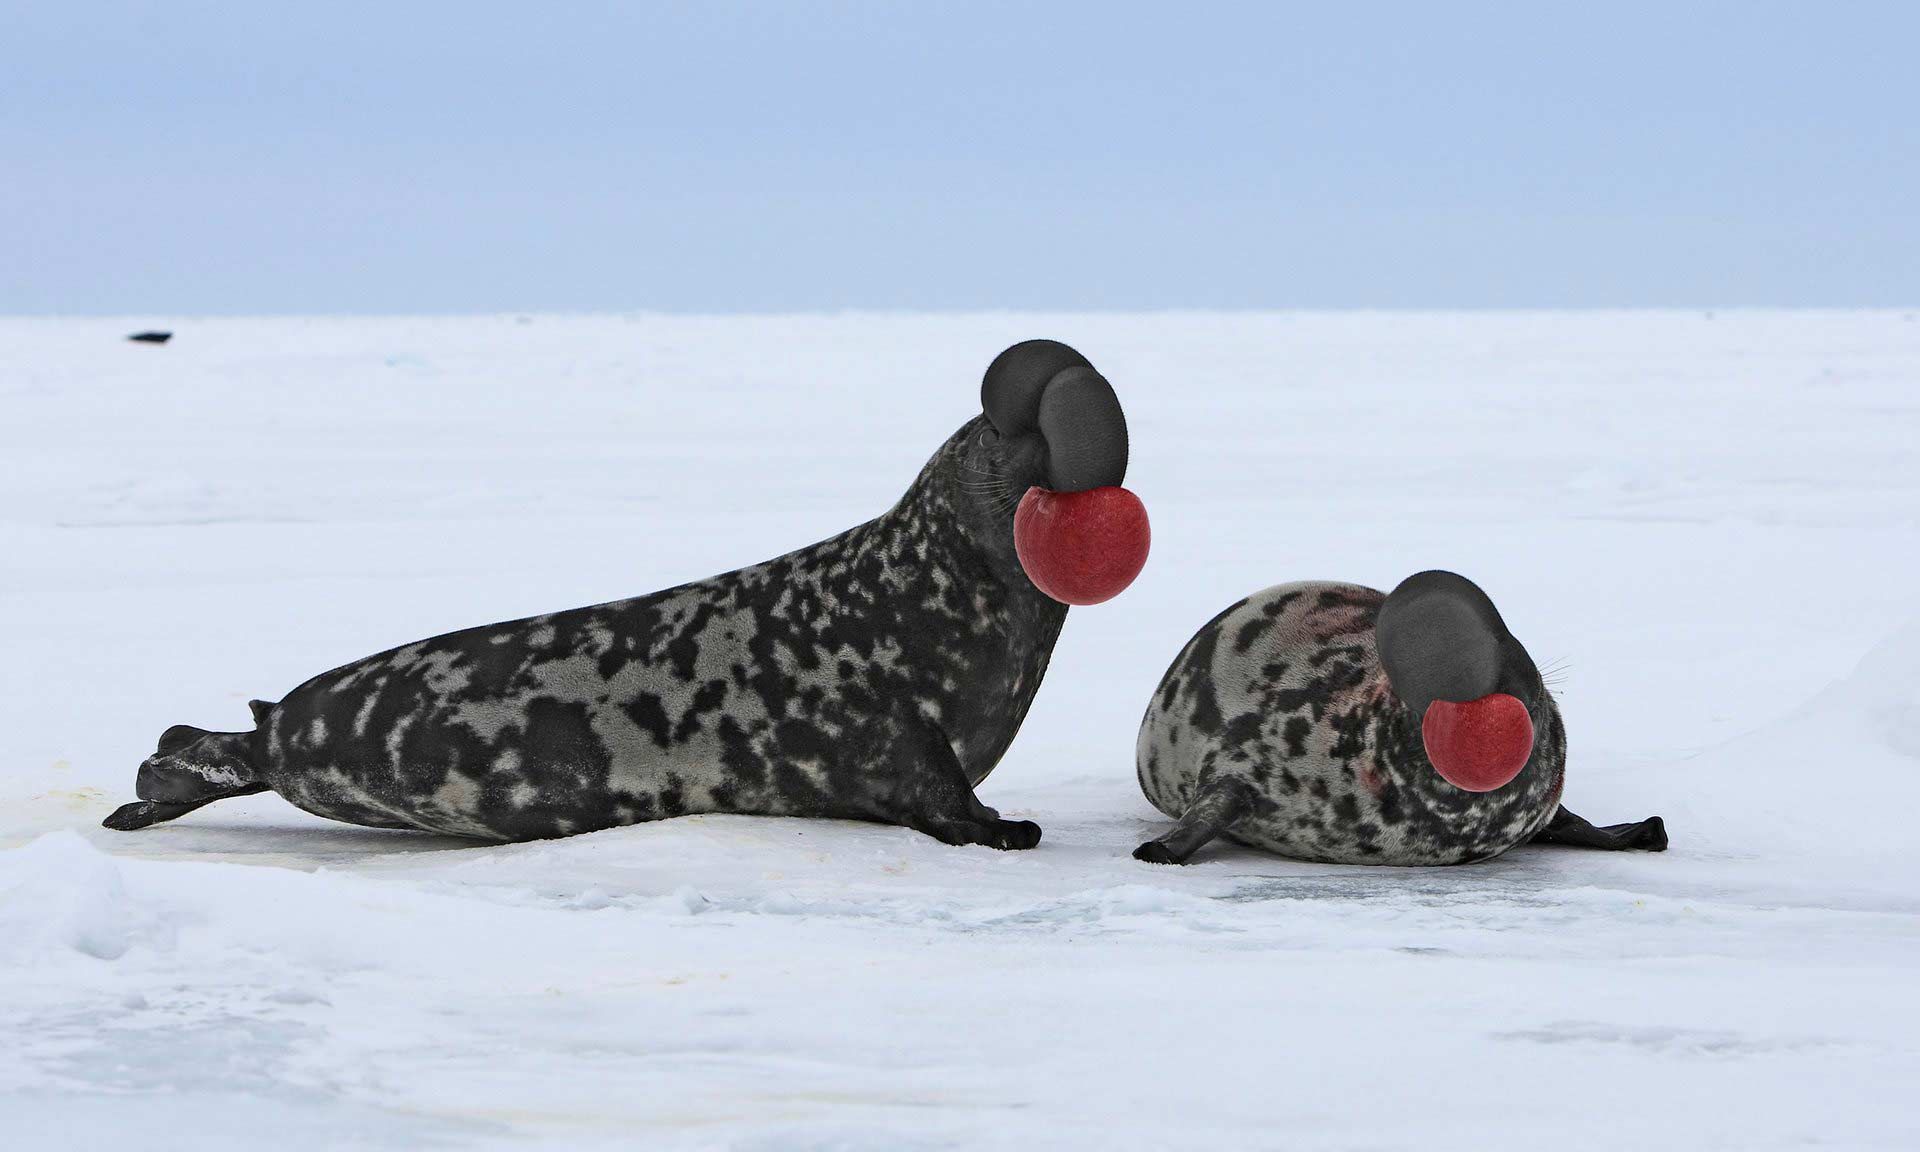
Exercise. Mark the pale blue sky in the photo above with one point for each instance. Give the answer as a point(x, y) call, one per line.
point(425, 157)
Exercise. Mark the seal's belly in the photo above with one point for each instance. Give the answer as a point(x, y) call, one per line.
point(550, 726)
point(1351, 812)
point(1356, 810)
point(554, 770)
point(552, 800)
point(621, 714)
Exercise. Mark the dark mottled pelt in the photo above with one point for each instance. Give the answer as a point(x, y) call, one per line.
point(877, 675)
point(1277, 726)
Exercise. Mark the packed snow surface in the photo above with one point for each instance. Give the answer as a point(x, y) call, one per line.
point(1711, 521)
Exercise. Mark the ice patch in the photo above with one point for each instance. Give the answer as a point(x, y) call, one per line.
point(1713, 575)
point(1666, 1041)
point(59, 895)
point(1884, 689)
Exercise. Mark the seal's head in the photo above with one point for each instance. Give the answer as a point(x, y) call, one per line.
point(1473, 687)
point(1055, 433)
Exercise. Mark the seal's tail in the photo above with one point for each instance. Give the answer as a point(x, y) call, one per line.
point(190, 768)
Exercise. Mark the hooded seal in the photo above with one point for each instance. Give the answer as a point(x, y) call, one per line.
point(1329, 722)
point(877, 675)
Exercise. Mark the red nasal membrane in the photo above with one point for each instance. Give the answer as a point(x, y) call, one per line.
point(1481, 744)
point(1081, 547)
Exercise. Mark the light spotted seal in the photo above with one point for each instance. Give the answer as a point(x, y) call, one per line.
point(1305, 720)
point(878, 675)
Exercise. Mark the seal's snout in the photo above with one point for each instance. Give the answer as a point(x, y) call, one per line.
point(1080, 536)
point(1081, 547)
point(1449, 657)
point(1478, 745)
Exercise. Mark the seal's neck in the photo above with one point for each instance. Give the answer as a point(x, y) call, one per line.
point(943, 558)
point(958, 512)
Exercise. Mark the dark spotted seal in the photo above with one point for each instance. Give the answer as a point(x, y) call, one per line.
point(1300, 720)
point(878, 675)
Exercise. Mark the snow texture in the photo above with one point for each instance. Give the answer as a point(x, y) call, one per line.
point(1712, 520)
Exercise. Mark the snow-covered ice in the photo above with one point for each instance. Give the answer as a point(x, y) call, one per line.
point(1713, 519)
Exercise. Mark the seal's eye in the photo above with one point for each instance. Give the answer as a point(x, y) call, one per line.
point(987, 437)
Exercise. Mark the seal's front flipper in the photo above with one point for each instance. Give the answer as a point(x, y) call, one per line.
point(936, 798)
point(145, 813)
point(1221, 803)
point(142, 813)
point(190, 768)
point(1565, 828)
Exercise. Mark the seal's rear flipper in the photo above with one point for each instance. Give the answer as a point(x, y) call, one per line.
point(190, 768)
point(1221, 803)
point(1565, 828)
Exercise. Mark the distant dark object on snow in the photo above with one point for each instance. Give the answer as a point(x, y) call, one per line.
point(151, 337)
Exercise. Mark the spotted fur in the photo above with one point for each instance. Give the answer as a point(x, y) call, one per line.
point(877, 675)
point(1281, 703)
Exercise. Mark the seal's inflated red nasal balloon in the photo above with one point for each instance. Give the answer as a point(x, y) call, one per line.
point(1478, 745)
point(1081, 547)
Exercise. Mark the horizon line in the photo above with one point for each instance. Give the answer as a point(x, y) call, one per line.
point(883, 312)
